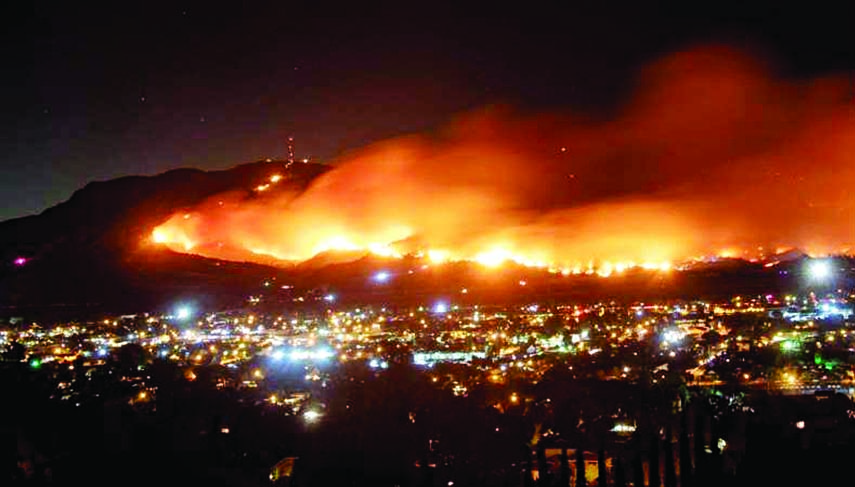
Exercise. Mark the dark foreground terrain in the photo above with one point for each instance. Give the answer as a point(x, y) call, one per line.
point(395, 428)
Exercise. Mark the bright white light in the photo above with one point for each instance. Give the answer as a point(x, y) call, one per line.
point(820, 270)
point(297, 355)
point(440, 308)
point(182, 313)
point(493, 258)
point(624, 428)
point(672, 336)
point(800, 425)
point(322, 354)
point(311, 416)
point(381, 277)
point(378, 364)
point(329, 298)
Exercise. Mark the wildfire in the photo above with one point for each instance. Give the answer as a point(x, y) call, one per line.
point(173, 238)
point(492, 258)
point(700, 163)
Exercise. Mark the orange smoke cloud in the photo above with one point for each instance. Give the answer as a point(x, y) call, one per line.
point(712, 153)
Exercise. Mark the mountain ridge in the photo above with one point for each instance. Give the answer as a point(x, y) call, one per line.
point(91, 252)
point(89, 248)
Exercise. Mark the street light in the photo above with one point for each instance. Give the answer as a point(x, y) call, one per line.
point(311, 416)
point(820, 270)
point(183, 313)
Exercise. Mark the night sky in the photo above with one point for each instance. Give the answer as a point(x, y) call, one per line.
point(91, 93)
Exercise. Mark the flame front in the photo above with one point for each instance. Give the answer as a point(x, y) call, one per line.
point(713, 157)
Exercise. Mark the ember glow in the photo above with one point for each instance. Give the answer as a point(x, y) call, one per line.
point(712, 156)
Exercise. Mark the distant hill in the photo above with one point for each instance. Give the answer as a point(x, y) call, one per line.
point(86, 251)
point(86, 255)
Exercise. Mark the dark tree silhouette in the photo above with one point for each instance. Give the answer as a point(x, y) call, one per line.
point(619, 473)
point(581, 481)
point(638, 470)
point(15, 352)
point(685, 452)
point(130, 357)
point(700, 454)
point(670, 473)
point(542, 467)
point(655, 479)
point(565, 468)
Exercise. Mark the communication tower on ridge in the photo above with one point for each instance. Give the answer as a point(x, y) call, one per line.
point(290, 150)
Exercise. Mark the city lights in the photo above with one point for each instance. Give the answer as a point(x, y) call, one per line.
point(508, 347)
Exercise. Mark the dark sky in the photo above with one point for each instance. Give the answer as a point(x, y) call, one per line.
point(95, 92)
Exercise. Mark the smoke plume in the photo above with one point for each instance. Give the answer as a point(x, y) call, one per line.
point(713, 155)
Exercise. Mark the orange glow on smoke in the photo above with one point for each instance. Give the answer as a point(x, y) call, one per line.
point(712, 156)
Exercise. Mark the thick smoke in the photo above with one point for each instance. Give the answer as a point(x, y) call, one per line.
point(711, 154)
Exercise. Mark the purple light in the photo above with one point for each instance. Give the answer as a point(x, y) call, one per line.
point(20, 261)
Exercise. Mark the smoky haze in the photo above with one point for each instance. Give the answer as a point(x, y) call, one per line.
point(712, 154)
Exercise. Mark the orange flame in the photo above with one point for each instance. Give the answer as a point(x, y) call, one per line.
point(713, 156)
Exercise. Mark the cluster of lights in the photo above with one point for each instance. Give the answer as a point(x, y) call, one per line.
point(296, 355)
point(378, 364)
point(623, 428)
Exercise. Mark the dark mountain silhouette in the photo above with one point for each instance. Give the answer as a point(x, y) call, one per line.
point(790, 255)
point(88, 251)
